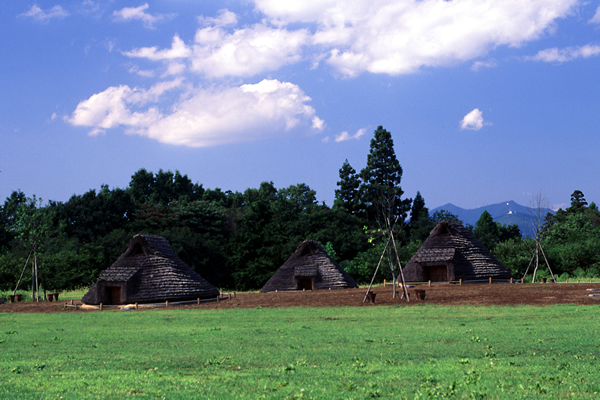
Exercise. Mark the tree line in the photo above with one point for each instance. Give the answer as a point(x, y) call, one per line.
point(237, 240)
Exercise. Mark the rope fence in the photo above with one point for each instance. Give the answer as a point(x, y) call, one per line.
point(136, 306)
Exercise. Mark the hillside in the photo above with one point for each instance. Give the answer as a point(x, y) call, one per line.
point(507, 213)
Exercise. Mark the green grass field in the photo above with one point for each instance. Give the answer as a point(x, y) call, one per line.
point(324, 353)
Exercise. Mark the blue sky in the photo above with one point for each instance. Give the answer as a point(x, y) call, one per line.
point(487, 101)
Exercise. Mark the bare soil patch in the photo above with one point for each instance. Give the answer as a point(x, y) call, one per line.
point(440, 294)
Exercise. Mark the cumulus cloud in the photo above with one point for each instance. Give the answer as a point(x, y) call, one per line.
point(38, 14)
point(137, 13)
point(246, 52)
point(204, 117)
point(473, 121)
point(400, 37)
point(342, 137)
point(178, 50)
point(567, 54)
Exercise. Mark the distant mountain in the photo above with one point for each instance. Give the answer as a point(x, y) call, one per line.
point(508, 213)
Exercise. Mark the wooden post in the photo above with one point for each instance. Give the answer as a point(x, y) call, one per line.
point(490, 280)
point(136, 306)
point(511, 280)
point(384, 283)
point(198, 300)
point(460, 282)
point(217, 299)
point(429, 283)
point(100, 306)
point(167, 304)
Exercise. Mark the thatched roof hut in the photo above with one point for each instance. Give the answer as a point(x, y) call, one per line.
point(309, 268)
point(450, 253)
point(148, 271)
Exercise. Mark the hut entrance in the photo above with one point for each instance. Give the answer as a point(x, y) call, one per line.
point(304, 284)
point(436, 273)
point(113, 295)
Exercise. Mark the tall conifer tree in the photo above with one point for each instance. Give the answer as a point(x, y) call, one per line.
point(380, 187)
point(346, 197)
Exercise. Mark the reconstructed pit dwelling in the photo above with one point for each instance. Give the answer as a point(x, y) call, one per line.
point(451, 253)
point(148, 271)
point(309, 268)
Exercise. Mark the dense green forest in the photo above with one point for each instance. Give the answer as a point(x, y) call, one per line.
point(238, 240)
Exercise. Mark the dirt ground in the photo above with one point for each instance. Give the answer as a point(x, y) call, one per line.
point(441, 294)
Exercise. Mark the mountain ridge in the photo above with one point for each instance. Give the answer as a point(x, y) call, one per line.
point(506, 212)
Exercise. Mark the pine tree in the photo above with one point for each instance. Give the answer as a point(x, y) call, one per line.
point(346, 197)
point(380, 187)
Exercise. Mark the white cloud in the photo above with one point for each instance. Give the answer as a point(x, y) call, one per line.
point(246, 52)
point(318, 123)
point(38, 14)
point(178, 50)
point(138, 13)
point(473, 121)
point(224, 18)
point(342, 137)
point(145, 73)
point(596, 18)
point(477, 65)
point(204, 117)
point(402, 36)
point(566, 54)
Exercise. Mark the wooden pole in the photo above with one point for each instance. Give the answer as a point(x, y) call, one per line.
point(167, 304)
point(405, 289)
point(100, 306)
point(460, 282)
point(376, 269)
point(22, 272)
point(37, 285)
point(490, 280)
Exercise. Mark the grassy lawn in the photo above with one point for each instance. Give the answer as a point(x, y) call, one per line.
point(325, 353)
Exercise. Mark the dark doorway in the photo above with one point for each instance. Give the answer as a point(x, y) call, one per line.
point(305, 284)
point(113, 295)
point(436, 273)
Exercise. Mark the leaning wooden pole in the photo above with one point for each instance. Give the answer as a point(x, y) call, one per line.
point(537, 260)
point(376, 269)
point(404, 288)
point(547, 263)
point(22, 272)
point(37, 285)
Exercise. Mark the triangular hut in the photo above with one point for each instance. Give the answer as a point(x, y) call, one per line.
point(309, 268)
point(149, 270)
point(450, 253)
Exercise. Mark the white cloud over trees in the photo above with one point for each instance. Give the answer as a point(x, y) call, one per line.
point(203, 116)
